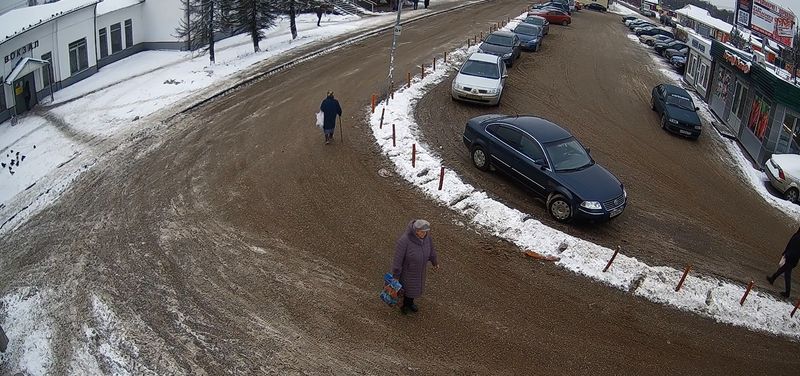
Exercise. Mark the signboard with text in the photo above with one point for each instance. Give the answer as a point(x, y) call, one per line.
point(767, 19)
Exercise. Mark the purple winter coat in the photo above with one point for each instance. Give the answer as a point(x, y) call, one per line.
point(411, 256)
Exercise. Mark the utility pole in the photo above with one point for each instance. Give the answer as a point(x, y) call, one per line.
point(396, 34)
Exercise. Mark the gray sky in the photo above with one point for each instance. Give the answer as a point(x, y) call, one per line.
point(793, 5)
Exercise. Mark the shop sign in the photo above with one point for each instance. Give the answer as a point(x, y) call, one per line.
point(20, 51)
point(737, 62)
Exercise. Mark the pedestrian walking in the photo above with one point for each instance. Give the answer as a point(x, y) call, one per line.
point(320, 10)
point(411, 255)
point(791, 255)
point(427, 2)
point(330, 109)
point(416, 2)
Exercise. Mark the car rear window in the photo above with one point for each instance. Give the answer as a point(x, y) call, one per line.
point(500, 40)
point(527, 29)
point(480, 69)
point(535, 20)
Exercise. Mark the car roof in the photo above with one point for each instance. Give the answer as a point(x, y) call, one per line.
point(543, 130)
point(503, 33)
point(479, 56)
point(523, 24)
point(672, 89)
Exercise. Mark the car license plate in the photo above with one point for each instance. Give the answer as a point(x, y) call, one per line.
point(685, 132)
point(615, 212)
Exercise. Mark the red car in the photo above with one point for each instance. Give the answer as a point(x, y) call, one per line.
point(553, 16)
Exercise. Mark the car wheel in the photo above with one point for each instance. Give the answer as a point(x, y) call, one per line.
point(559, 208)
point(792, 195)
point(565, 23)
point(663, 122)
point(480, 158)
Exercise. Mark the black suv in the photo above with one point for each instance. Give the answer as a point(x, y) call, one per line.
point(678, 113)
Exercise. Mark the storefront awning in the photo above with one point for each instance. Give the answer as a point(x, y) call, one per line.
point(24, 66)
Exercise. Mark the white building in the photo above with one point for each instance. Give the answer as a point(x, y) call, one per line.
point(698, 63)
point(51, 46)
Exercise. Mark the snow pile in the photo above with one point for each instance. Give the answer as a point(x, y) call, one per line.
point(29, 333)
point(704, 295)
point(622, 10)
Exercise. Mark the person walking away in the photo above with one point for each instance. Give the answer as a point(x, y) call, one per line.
point(411, 255)
point(791, 255)
point(319, 11)
point(331, 109)
point(416, 2)
point(427, 2)
point(27, 95)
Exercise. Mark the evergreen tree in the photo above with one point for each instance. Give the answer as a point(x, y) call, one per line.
point(200, 24)
point(252, 17)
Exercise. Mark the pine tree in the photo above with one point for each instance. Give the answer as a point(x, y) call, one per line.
point(252, 17)
point(200, 24)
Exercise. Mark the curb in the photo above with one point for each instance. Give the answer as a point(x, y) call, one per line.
point(315, 53)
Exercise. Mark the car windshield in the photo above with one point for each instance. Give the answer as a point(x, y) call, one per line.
point(535, 20)
point(480, 69)
point(527, 30)
point(679, 101)
point(500, 40)
point(568, 155)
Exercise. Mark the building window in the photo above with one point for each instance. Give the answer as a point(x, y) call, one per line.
point(48, 70)
point(703, 75)
point(788, 139)
point(78, 56)
point(116, 38)
point(759, 117)
point(739, 99)
point(128, 33)
point(103, 41)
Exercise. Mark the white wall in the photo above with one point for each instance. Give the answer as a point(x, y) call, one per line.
point(133, 13)
point(72, 27)
point(163, 17)
point(45, 40)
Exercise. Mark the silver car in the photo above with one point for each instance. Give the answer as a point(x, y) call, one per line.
point(783, 171)
point(480, 79)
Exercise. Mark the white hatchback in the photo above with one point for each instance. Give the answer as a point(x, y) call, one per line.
point(783, 171)
point(480, 79)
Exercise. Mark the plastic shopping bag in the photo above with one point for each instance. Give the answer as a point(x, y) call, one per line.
point(320, 119)
point(391, 290)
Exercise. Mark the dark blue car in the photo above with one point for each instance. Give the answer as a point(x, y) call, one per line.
point(549, 161)
point(678, 112)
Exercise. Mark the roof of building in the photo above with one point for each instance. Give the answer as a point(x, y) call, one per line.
point(19, 20)
point(702, 15)
point(108, 6)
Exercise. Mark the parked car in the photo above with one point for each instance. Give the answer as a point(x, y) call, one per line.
point(655, 31)
point(653, 39)
point(502, 43)
point(548, 160)
point(647, 13)
point(596, 7)
point(538, 21)
point(554, 16)
point(676, 44)
point(670, 52)
point(530, 36)
point(783, 171)
point(629, 18)
point(678, 113)
point(555, 5)
point(480, 79)
point(637, 21)
point(679, 62)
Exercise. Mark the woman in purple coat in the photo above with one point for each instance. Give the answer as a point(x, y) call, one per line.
point(413, 251)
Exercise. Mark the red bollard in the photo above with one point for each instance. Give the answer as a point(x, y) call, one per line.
point(611, 260)
point(746, 292)
point(795, 308)
point(394, 141)
point(685, 273)
point(413, 155)
point(441, 178)
point(468, 43)
point(373, 103)
point(408, 80)
point(476, 39)
point(383, 111)
point(422, 69)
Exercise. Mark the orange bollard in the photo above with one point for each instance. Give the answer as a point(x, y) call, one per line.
point(611, 260)
point(683, 278)
point(422, 69)
point(413, 155)
point(394, 141)
point(383, 111)
point(373, 103)
point(746, 292)
point(795, 308)
point(408, 80)
point(441, 178)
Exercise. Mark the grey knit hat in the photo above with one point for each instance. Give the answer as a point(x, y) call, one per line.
point(422, 225)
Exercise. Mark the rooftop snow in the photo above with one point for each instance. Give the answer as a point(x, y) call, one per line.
point(18, 20)
point(702, 15)
point(108, 6)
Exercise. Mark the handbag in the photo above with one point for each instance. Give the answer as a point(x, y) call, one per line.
point(392, 290)
point(320, 119)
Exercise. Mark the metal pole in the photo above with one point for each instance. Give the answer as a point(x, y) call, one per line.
point(395, 35)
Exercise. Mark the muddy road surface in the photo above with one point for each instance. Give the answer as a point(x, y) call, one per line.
point(240, 244)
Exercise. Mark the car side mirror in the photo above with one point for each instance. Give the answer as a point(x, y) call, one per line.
point(505, 76)
point(588, 151)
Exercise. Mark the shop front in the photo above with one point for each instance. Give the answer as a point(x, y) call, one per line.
point(698, 64)
point(730, 90)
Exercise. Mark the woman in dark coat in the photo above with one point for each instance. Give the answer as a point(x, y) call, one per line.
point(413, 251)
point(791, 255)
point(331, 109)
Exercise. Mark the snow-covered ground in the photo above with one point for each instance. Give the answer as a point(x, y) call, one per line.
point(704, 295)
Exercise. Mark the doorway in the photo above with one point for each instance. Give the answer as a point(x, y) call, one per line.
point(25, 93)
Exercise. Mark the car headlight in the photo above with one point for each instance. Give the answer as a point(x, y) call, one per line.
point(491, 91)
point(673, 121)
point(506, 56)
point(624, 193)
point(697, 127)
point(591, 205)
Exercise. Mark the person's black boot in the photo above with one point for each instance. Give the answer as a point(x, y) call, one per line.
point(405, 309)
point(413, 308)
point(770, 280)
point(785, 295)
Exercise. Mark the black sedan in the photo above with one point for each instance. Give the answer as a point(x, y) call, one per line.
point(596, 7)
point(675, 44)
point(502, 43)
point(678, 113)
point(548, 160)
